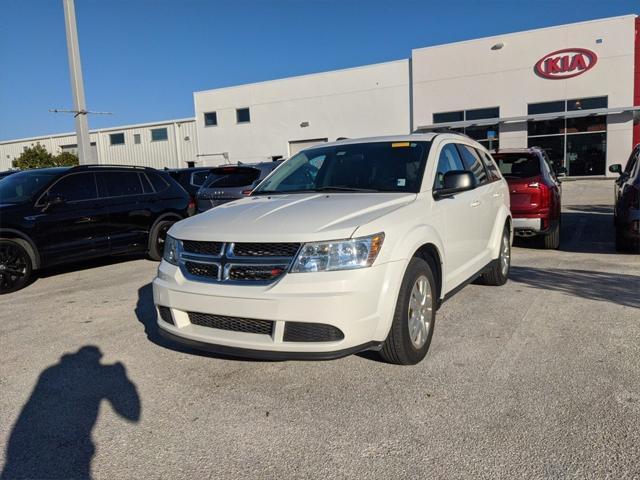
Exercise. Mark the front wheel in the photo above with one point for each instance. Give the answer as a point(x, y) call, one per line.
point(15, 266)
point(499, 271)
point(157, 239)
point(412, 328)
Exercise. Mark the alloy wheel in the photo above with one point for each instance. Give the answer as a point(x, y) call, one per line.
point(13, 266)
point(505, 255)
point(419, 312)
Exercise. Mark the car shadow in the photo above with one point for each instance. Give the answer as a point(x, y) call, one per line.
point(602, 286)
point(88, 264)
point(585, 229)
point(52, 435)
point(147, 315)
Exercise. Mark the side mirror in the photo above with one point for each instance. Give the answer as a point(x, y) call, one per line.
point(52, 201)
point(455, 181)
point(561, 171)
point(616, 168)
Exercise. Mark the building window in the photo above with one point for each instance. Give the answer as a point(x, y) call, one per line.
point(136, 138)
point(116, 139)
point(578, 144)
point(210, 119)
point(446, 117)
point(243, 115)
point(159, 134)
point(485, 134)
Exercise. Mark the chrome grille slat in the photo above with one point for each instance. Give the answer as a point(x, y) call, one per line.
point(236, 263)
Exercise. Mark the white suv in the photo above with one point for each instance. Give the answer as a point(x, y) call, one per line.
point(346, 246)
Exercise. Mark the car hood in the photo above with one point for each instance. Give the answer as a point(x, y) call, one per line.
point(290, 218)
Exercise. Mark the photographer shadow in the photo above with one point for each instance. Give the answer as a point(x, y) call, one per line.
point(52, 436)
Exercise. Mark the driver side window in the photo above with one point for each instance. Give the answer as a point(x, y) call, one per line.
point(449, 160)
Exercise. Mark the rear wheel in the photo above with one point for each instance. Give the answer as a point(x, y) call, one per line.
point(551, 241)
point(15, 266)
point(412, 328)
point(157, 239)
point(499, 271)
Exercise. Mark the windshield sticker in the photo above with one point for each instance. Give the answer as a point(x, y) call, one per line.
point(402, 182)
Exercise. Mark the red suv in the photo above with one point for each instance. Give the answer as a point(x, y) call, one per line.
point(535, 193)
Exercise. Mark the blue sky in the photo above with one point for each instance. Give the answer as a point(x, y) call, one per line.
point(143, 59)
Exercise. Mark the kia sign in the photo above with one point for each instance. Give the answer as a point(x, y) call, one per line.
point(566, 63)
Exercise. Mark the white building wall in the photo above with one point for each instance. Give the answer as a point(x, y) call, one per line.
point(176, 151)
point(470, 74)
point(357, 102)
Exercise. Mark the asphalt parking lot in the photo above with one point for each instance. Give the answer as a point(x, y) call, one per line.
point(536, 379)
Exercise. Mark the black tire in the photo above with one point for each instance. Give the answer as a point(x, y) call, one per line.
point(551, 241)
point(624, 244)
point(399, 347)
point(157, 237)
point(15, 266)
point(499, 271)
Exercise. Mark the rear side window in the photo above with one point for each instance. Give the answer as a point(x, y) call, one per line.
point(449, 160)
point(518, 165)
point(146, 184)
point(198, 178)
point(120, 184)
point(492, 169)
point(473, 163)
point(75, 188)
point(159, 183)
point(226, 177)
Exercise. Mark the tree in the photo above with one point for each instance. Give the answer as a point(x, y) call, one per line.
point(38, 157)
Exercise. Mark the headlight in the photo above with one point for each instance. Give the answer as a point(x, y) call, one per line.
point(338, 255)
point(171, 250)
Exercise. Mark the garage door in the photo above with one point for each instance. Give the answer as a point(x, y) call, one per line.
point(296, 146)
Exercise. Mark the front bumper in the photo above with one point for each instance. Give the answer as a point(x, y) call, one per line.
point(360, 303)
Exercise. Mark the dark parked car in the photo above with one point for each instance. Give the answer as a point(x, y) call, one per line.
point(627, 203)
point(191, 179)
point(7, 173)
point(53, 216)
point(535, 193)
point(232, 182)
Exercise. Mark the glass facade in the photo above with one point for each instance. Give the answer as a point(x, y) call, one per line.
point(579, 144)
point(485, 134)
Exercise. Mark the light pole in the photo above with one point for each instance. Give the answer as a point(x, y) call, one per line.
point(85, 153)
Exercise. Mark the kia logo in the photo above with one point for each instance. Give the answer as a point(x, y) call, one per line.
point(566, 63)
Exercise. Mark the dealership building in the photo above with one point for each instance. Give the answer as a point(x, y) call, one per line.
point(572, 89)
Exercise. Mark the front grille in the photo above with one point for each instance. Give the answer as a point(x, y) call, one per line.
point(236, 262)
point(311, 332)
point(165, 314)
point(256, 272)
point(234, 324)
point(202, 270)
point(202, 248)
point(265, 249)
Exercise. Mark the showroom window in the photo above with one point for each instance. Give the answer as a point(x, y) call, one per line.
point(210, 119)
point(243, 115)
point(578, 144)
point(116, 139)
point(159, 134)
point(485, 134)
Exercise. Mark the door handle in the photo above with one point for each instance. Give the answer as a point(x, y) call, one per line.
point(475, 203)
point(496, 195)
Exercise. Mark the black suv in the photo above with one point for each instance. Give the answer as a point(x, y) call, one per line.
point(627, 207)
point(51, 216)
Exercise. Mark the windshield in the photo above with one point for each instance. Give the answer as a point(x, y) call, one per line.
point(518, 165)
point(20, 187)
point(232, 177)
point(359, 167)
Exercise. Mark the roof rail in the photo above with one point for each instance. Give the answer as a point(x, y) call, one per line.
point(101, 165)
point(441, 130)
